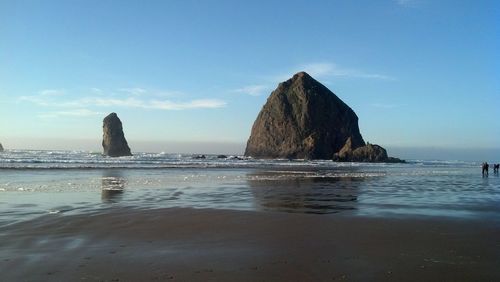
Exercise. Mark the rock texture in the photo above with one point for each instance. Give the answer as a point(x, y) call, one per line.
point(113, 139)
point(367, 153)
point(302, 119)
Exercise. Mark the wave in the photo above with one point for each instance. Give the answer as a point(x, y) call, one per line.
point(58, 159)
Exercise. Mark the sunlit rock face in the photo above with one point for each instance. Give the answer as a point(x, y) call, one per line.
point(302, 119)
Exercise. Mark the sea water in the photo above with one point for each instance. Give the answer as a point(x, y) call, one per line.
point(35, 183)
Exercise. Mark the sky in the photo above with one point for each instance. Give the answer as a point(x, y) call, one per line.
point(193, 75)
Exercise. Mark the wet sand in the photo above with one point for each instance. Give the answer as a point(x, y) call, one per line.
point(182, 244)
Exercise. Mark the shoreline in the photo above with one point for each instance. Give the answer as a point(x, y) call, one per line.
point(184, 244)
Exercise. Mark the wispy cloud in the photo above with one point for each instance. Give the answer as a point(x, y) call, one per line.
point(96, 90)
point(252, 90)
point(51, 92)
point(323, 69)
point(43, 97)
point(106, 102)
point(73, 106)
point(134, 91)
point(326, 69)
point(193, 104)
point(36, 99)
point(132, 102)
point(137, 91)
point(70, 113)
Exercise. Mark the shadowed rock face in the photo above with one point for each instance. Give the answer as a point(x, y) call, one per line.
point(113, 139)
point(303, 119)
point(1, 147)
point(368, 153)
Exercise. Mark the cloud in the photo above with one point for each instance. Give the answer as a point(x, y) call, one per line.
point(106, 102)
point(51, 92)
point(134, 91)
point(132, 102)
point(320, 70)
point(194, 104)
point(96, 90)
point(70, 113)
point(326, 69)
point(74, 105)
point(252, 90)
point(43, 96)
point(323, 69)
point(137, 91)
point(35, 99)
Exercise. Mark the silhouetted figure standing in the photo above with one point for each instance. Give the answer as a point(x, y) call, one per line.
point(495, 168)
point(486, 167)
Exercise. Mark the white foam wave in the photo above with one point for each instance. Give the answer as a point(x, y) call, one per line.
point(29, 159)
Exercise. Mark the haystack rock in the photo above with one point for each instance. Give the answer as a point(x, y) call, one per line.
point(302, 119)
point(113, 139)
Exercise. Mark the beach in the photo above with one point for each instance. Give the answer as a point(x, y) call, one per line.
point(249, 141)
point(183, 244)
point(79, 216)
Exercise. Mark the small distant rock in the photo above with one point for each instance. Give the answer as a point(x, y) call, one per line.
point(222, 157)
point(200, 157)
point(113, 139)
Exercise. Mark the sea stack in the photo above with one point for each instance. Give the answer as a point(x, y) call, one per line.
point(1, 147)
point(113, 139)
point(302, 119)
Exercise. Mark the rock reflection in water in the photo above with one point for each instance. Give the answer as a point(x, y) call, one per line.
point(113, 184)
point(304, 192)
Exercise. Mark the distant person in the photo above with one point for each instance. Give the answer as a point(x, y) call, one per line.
point(495, 168)
point(486, 167)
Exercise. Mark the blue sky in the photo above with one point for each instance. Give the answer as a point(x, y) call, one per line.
point(418, 73)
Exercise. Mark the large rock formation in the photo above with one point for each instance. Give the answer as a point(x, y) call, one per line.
point(1, 147)
point(302, 119)
point(113, 139)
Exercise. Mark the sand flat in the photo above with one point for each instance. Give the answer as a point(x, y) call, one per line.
point(183, 244)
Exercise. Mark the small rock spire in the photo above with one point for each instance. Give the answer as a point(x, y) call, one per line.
point(113, 139)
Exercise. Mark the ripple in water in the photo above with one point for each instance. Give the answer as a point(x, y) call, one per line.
point(320, 187)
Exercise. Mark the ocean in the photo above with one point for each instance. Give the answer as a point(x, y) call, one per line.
point(57, 183)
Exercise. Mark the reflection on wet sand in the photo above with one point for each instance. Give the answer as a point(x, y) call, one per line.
point(113, 184)
point(304, 193)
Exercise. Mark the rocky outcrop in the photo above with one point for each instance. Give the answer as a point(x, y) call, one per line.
point(1, 147)
point(302, 119)
point(368, 153)
point(113, 139)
